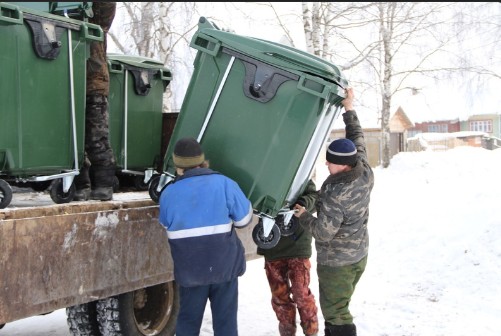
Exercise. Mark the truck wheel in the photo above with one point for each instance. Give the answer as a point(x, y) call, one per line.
point(147, 311)
point(262, 241)
point(5, 194)
point(82, 319)
point(58, 195)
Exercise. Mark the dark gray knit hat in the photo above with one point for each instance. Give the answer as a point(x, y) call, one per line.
point(188, 153)
point(342, 152)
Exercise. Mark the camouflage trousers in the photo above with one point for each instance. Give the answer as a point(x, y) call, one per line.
point(99, 164)
point(289, 281)
point(336, 287)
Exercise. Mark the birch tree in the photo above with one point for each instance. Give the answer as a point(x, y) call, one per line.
point(158, 30)
point(384, 48)
point(388, 46)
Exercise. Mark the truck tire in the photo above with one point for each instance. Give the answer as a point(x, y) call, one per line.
point(82, 319)
point(148, 311)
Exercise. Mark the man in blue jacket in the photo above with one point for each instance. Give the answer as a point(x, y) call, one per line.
point(200, 211)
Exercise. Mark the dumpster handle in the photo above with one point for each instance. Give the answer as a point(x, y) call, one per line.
point(203, 43)
point(216, 98)
point(165, 75)
point(324, 125)
point(126, 113)
point(73, 117)
point(92, 32)
point(115, 67)
point(14, 14)
point(300, 85)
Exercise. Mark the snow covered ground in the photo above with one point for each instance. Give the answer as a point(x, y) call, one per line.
point(434, 263)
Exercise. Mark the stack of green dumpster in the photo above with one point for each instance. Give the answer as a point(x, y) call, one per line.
point(137, 85)
point(42, 117)
point(75, 10)
point(262, 112)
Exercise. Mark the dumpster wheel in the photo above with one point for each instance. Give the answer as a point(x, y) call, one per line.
point(57, 193)
point(265, 242)
point(289, 228)
point(40, 186)
point(5, 194)
point(152, 189)
point(144, 312)
point(139, 184)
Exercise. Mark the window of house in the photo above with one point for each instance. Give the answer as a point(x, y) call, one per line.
point(412, 133)
point(481, 126)
point(438, 128)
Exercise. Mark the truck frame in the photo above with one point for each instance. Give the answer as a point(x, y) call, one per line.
point(108, 263)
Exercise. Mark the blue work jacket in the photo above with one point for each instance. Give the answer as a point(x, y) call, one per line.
point(200, 211)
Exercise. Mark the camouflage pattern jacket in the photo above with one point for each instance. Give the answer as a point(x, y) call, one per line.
point(340, 228)
point(98, 78)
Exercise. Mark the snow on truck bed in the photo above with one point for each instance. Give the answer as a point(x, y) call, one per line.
point(28, 203)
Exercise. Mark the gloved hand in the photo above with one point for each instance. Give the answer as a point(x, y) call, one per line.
point(298, 202)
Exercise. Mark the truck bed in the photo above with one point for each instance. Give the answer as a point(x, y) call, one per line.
point(58, 255)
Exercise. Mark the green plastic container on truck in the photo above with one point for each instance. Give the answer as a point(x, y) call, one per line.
point(42, 118)
point(74, 10)
point(262, 112)
point(137, 85)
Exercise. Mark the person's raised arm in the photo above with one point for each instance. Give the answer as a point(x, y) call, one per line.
point(352, 124)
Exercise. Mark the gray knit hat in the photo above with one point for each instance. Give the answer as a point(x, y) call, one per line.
point(188, 153)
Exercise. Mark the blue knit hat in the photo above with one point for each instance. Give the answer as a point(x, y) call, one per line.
point(342, 152)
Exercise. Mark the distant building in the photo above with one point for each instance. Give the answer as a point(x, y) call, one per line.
point(481, 130)
point(441, 126)
point(434, 141)
point(399, 124)
point(487, 123)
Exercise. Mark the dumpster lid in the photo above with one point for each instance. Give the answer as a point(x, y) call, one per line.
point(280, 55)
point(136, 61)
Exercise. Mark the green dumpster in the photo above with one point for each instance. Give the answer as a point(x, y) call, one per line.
point(42, 117)
point(75, 10)
point(137, 85)
point(262, 112)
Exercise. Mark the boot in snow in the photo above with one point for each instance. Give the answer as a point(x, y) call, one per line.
point(340, 330)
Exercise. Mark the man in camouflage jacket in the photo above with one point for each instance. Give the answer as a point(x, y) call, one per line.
point(340, 227)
